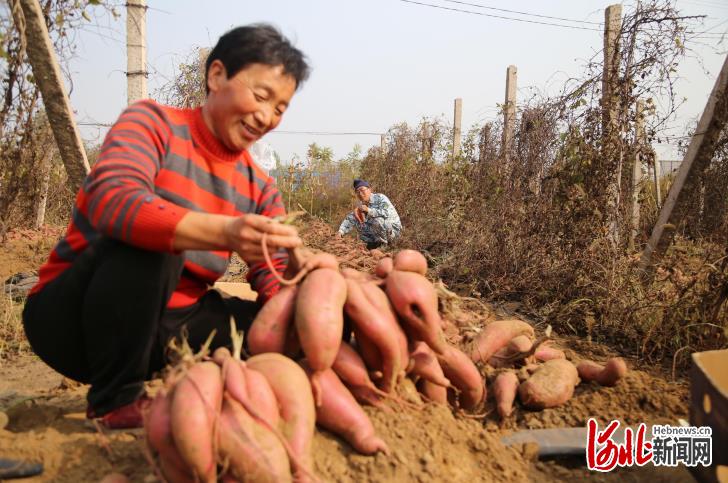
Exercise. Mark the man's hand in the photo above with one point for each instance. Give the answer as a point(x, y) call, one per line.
point(243, 235)
point(364, 208)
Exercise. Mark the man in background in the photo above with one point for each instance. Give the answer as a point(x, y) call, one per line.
point(376, 219)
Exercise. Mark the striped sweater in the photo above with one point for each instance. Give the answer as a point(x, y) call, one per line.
point(156, 164)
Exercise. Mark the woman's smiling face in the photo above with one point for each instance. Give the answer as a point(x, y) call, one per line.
point(241, 109)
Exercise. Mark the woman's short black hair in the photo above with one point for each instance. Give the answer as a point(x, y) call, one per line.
point(258, 44)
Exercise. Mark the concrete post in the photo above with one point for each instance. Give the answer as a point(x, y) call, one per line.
point(136, 50)
point(687, 181)
point(611, 154)
point(457, 128)
point(612, 28)
point(509, 110)
point(47, 74)
point(640, 142)
point(657, 174)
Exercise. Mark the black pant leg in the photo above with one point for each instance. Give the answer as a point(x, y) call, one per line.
point(118, 295)
point(124, 304)
point(52, 319)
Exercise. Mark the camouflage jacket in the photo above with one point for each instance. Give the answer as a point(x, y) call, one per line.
point(381, 224)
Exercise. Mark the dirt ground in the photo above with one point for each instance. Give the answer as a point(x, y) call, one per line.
point(47, 423)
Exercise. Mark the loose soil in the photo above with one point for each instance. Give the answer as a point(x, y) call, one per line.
point(47, 421)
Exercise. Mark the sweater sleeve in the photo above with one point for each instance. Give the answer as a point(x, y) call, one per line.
point(259, 276)
point(348, 224)
point(119, 200)
point(381, 207)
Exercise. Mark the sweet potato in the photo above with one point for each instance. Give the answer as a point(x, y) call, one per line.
point(551, 385)
point(434, 392)
point(340, 413)
point(262, 397)
point(546, 353)
point(424, 365)
point(220, 355)
point(270, 327)
point(157, 426)
point(252, 452)
point(359, 215)
point(464, 376)
point(379, 299)
point(497, 335)
point(517, 345)
point(350, 368)
point(607, 375)
point(293, 392)
point(415, 301)
point(505, 388)
point(383, 267)
point(369, 310)
point(321, 260)
point(410, 261)
point(320, 318)
point(368, 351)
point(194, 410)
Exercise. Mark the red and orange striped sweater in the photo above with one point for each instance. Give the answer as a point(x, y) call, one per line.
point(156, 164)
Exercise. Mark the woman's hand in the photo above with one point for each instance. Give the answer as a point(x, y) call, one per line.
point(243, 235)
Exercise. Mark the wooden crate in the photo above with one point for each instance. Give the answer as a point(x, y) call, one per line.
point(709, 407)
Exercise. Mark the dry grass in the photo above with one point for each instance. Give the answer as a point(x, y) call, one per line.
point(12, 335)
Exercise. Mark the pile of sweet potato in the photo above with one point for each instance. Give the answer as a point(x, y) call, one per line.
point(330, 340)
point(537, 372)
point(392, 329)
point(241, 421)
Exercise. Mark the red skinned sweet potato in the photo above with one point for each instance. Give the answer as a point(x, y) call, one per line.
point(293, 392)
point(340, 413)
point(505, 388)
point(359, 215)
point(321, 260)
point(195, 406)
point(158, 428)
point(367, 307)
point(607, 375)
point(384, 267)
point(410, 261)
point(262, 397)
point(350, 368)
point(320, 318)
point(497, 335)
point(551, 385)
point(424, 364)
point(434, 392)
point(415, 301)
point(464, 376)
point(270, 328)
point(252, 452)
point(517, 345)
point(545, 352)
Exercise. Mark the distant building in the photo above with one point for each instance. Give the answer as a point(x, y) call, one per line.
point(667, 166)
